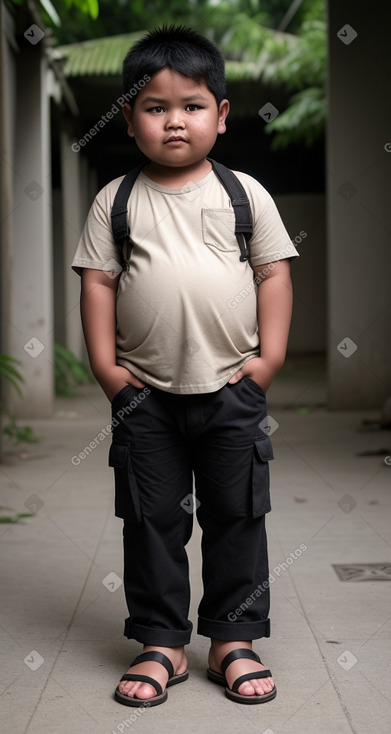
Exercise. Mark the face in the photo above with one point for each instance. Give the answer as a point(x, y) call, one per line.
point(175, 120)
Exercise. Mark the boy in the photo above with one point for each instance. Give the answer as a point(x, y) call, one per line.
point(185, 348)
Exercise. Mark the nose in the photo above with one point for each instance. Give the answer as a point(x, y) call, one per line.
point(175, 120)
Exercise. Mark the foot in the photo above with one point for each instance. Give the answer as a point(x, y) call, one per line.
point(256, 686)
point(138, 689)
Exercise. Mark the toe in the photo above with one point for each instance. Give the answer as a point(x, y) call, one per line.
point(263, 686)
point(128, 688)
point(247, 688)
point(256, 687)
point(137, 690)
point(145, 691)
point(268, 684)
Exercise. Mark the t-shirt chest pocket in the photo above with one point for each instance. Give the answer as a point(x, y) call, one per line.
point(218, 229)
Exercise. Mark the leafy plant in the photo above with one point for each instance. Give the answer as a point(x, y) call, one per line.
point(296, 63)
point(20, 434)
point(9, 371)
point(86, 7)
point(69, 372)
point(10, 516)
point(302, 70)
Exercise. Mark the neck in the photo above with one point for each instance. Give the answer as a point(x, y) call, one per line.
point(177, 177)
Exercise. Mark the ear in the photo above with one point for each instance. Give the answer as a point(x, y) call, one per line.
point(128, 115)
point(223, 112)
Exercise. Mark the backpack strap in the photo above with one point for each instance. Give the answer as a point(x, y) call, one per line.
point(119, 212)
point(240, 204)
point(232, 185)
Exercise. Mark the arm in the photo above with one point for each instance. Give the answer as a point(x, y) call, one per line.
point(97, 305)
point(274, 318)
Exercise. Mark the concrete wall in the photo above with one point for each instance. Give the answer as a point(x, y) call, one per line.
point(7, 124)
point(305, 219)
point(359, 223)
point(25, 230)
point(78, 189)
point(73, 176)
point(59, 301)
point(31, 336)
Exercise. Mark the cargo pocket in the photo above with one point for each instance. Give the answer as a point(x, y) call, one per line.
point(127, 498)
point(263, 453)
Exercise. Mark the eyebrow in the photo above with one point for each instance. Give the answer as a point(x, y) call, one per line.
point(158, 100)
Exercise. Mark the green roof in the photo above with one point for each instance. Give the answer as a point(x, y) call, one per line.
point(101, 56)
point(104, 57)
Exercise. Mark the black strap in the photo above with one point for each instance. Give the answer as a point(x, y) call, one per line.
point(157, 657)
point(240, 204)
point(237, 654)
point(249, 676)
point(232, 185)
point(119, 211)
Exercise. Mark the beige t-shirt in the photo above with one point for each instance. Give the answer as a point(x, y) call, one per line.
point(186, 306)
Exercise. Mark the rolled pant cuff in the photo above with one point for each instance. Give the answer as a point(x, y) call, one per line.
point(157, 636)
point(233, 630)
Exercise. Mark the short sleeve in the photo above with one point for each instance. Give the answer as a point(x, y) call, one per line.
point(270, 240)
point(97, 249)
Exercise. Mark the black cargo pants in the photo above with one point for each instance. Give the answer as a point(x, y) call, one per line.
point(160, 440)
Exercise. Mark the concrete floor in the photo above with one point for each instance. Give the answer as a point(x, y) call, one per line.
point(62, 644)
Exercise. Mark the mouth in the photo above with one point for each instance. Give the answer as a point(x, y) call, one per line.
point(175, 139)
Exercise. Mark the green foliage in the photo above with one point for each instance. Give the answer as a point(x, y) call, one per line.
point(86, 7)
point(68, 372)
point(313, 10)
point(11, 516)
point(20, 434)
point(237, 34)
point(302, 122)
point(296, 63)
point(9, 371)
point(206, 16)
point(302, 70)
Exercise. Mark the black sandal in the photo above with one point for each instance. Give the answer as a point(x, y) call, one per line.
point(232, 693)
point(161, 696)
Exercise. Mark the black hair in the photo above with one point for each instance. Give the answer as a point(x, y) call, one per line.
point(178, 48)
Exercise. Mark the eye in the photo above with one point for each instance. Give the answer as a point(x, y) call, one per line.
point(157, 109)
point(193, 107)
